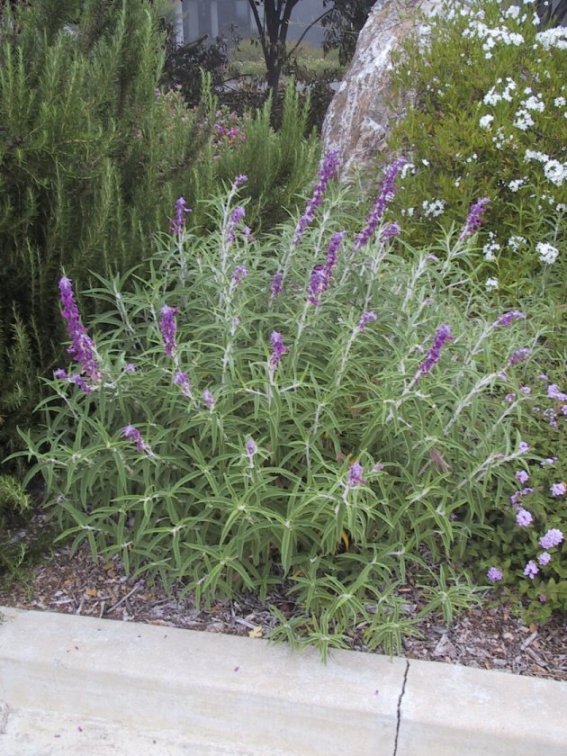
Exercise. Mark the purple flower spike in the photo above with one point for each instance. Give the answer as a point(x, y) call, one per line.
point(208, 400)
point(365, 319)
point(168, 328)
point(520, 355)
point(494, 575)
point(385, 196)
point(531, 569)
point(442, 335)
point(276, 287)
point(60, 374)
point(239, 273)
point(474, 219)
point(236, 217)
point(251, 450)
point(182, 380)
point(133, 434)
point(508, 318)
point(317, 285)
point(240, 180)
point(178, 221)
point(551, 539)
point(278, 350)
point(332, 252)
point(327, 172)
point(392, 230)
point(82, 347)
point(355, 475)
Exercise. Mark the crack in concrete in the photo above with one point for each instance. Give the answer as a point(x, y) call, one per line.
point(399, 711)
point(4, 714)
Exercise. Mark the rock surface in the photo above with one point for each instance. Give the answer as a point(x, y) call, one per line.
point(358, 118)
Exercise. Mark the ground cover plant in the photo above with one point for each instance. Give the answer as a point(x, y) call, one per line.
point(486, 116)
point(324, 407)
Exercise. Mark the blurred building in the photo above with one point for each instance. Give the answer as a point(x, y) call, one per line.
point(214, 18)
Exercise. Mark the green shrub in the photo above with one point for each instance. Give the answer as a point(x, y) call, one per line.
point(485, 95)
point(259, 412)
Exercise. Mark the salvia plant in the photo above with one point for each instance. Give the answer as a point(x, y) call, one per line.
point(326, 410)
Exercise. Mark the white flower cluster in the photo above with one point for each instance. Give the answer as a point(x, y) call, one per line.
point(548, 254)
point(491, 284)
point(556, 37)
point(485, 121)
point(515, 242)
point(433, 209)
point(491, 37)
point(560, 102)
point(534, 102)
point(553, 170)
point(489, 251)
point(492, 97)
point(523, 120)
point(516, 184)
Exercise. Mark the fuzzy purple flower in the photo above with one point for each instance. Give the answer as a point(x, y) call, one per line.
point(129, 368)
point(385, 196)
point(520, 355)
point(60, 374)
point(208, 400)
point(133, 434)
point(365, 319)
point(548, 461)
point(276, 287)
point(523, 447)
point(239, 274)
point(251, 450)
point(239, 181)
point(558, 489)
point(168, 328)
point(522, 476)
point(178, 221)
point(82, 347)
point(531, 569)
point(181, 379)
point(278, 350)
point(524, 518)
point(356, 475)
point(332, 253)
point(553, 392)
point(327, 172)
point(390, 231)
point(317, 285)
point(494, 575)
point(508, 318)
point(442, 335)
point(544, 558)
point(551, 539)
point(236, 217)
point(474, 219)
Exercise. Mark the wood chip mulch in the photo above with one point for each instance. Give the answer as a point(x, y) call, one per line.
point(486, 637)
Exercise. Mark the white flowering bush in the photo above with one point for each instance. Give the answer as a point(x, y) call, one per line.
point(333, 412)
point(489, 118)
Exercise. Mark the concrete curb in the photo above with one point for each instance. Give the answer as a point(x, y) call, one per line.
point(109, 687)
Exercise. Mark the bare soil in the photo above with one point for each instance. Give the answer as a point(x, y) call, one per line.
point(487, 637)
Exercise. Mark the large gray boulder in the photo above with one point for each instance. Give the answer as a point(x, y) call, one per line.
point(358, 117)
